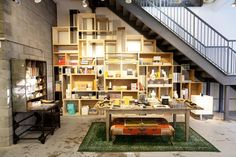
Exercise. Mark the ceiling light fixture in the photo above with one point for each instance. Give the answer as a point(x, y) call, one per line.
point(128, 1)
point(37, 1)
point(234, 4)
point(84, 4)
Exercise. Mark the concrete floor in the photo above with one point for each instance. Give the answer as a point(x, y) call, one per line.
point(66, 140)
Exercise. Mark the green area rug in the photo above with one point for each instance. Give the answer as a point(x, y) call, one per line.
point(95, 141)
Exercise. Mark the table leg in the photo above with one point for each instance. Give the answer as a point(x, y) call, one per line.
point(174, 120)
point(42, 137)
point(200, 116)
point(187, 117)
point(108, 124)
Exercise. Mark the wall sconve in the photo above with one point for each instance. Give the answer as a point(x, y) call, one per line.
point(128, 1)
point(234, 4)
point(84, 3)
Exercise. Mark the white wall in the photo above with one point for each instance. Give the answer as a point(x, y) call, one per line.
point(117, 22)
point(63, 7)
point(220, 15)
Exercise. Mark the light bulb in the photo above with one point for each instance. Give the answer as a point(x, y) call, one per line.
point(37, 1)
point(84, 4)
point(128, 1)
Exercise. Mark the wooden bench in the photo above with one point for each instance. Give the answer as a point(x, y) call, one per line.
point(142, 126)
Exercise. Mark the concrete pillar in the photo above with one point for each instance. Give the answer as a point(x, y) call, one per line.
point(221, 98)
point(226, 102)
point(5, 105)
point(208, 87)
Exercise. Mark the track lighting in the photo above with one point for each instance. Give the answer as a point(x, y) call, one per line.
point(84, 3)
point(128, 1)
point(234, 4)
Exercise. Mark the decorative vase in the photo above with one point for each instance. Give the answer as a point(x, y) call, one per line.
point(176, 95)
point(153, 94)
point(152, 75)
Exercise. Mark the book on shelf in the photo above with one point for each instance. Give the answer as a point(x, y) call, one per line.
point(176, 77)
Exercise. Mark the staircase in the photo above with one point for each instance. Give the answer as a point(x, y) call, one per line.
point(190, 38)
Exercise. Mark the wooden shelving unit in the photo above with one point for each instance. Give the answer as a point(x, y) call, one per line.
point(96, 61)
point(29, 83)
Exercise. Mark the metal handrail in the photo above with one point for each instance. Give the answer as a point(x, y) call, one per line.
point(198, 34)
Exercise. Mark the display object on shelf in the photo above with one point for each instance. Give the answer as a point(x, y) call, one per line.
point(102, 62)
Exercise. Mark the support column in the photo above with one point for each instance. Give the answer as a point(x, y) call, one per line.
point(5, 105)
point(221, 98)
point(226, 102)
point(208, 87)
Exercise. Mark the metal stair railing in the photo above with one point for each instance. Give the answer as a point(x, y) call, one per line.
point(194, 31)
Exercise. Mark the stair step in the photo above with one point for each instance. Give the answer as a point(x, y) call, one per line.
point(160, 40)
point(132, 17)
point(138, 23)
point(177, 52)
point(145, 28)
point(172, 48)
point(165, 43)
point(159, 37)
point(125, 12)
point(151, 32)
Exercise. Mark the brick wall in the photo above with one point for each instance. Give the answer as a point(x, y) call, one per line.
point(27, 30)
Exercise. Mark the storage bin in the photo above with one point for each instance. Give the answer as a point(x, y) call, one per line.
point(85, 110)
point(71, 108)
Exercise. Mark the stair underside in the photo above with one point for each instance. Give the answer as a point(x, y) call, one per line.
point(167, 41)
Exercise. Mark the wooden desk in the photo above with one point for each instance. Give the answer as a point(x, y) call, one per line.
point(177, 110)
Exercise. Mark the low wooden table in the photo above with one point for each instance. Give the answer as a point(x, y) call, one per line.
point(183, 109)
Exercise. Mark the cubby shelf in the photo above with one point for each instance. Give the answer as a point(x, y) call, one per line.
point(84, 91)
point(125, 78)
point(93, 61)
